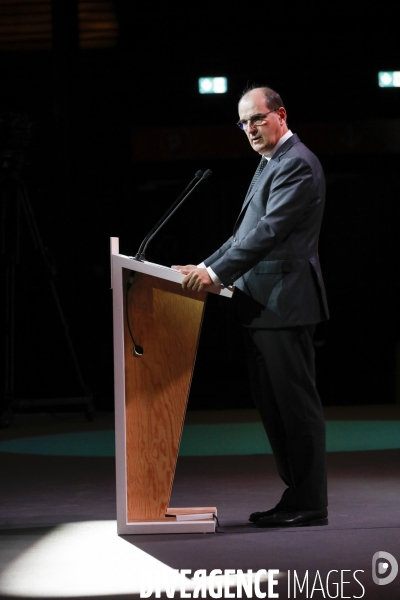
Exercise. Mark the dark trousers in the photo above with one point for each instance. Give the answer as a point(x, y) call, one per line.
point(282, 376)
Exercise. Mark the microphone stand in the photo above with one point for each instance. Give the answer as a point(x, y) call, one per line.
point(138, 350)
point(140, 255)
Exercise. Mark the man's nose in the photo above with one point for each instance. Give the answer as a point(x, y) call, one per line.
point(251, 127)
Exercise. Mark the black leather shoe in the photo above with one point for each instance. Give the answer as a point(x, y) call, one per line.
point(255, 516)
point(295, 518)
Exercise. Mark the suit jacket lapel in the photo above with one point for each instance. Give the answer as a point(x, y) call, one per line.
point(267, 169)
point(251, 192)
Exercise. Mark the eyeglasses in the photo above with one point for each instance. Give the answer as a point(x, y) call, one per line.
point(256, 120)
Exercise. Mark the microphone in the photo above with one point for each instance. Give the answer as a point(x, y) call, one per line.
point(199, 176)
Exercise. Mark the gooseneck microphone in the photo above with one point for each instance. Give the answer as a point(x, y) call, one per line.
point(137, 350)
point(140, 255)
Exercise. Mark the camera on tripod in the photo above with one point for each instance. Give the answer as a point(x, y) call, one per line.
point(18, 217)
point(15, 137)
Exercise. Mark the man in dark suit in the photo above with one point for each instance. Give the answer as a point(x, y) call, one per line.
point(272, 259)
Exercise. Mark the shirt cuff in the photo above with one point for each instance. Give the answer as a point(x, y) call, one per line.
point(214, 276)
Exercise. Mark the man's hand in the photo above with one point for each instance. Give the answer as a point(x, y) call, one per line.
point(185, 269)
point(196, 279)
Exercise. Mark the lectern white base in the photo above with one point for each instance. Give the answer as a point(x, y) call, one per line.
point(153, 527)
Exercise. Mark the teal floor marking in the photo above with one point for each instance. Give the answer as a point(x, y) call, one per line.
point(87, 443)
point(214, 440)
point(224, 439)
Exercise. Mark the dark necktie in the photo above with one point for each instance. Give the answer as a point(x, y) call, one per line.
point(263, 163)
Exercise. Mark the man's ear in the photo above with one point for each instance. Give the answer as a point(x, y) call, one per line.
point(282, 113)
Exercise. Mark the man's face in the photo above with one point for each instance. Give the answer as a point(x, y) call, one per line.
point(262, 138)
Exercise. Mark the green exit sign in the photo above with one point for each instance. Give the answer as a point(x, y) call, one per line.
point(213, 85)
point(389, 79)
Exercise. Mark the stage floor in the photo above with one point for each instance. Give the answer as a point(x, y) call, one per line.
point(58, 532)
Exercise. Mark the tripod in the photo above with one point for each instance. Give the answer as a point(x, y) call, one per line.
point(15, 207)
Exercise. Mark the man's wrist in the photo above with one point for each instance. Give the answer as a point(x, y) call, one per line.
point(214, 277)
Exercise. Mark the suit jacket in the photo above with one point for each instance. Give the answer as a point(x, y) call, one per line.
point(272, 256)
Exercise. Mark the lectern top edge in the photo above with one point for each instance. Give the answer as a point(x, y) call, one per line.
point(149, 268)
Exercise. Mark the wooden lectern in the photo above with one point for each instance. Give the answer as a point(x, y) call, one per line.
point(151, 391)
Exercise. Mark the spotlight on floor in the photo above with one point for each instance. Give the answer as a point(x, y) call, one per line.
point(389, 79)
point(213, 85)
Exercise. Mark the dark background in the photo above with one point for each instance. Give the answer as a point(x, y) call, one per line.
point(119, 129)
